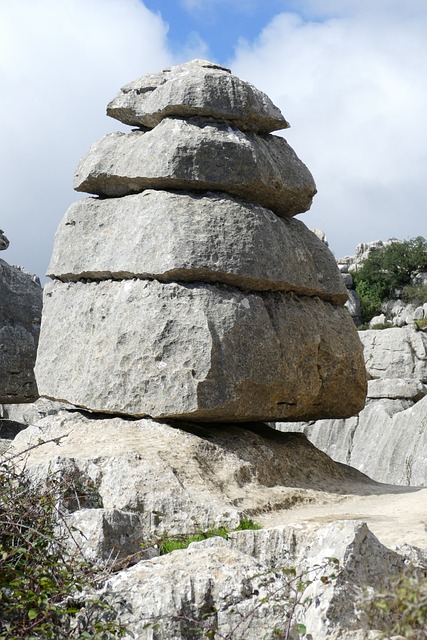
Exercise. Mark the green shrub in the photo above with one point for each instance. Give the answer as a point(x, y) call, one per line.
point(401, 608)
point(44, 588)
point(386, 270)
point(381, 325)
point(416, 295)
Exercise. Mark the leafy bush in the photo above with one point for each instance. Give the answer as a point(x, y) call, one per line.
point(44, 588)
point(416, 295)
point(401, 608)
point(421, 325)
point(387, 270)
point(381, 325)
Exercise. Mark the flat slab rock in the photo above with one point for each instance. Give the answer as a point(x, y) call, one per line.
point(204, 352)
point(184, 155)
point(20, 314)
point(196, 88)
point(182, 477)
point(199, 238)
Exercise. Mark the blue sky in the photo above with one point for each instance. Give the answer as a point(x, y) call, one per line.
point(218, 24)
point(349, 75)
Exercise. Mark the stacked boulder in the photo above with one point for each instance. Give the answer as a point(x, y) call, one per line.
point(186, 289)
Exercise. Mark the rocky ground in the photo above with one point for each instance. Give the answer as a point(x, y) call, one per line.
point(396, 515)
point(142, 480)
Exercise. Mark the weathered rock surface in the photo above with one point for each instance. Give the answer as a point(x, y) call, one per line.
point(394, 416)
point(198, 351)
point(395, 353)
point(4, 242)
point(20, 313)
point(196, 88)
point(181, 293)
point(240, 589)
point(200, 156)
point(140, 479)
point(31, 412)
point(397, 427)
point(210, 238)
point(175, 480)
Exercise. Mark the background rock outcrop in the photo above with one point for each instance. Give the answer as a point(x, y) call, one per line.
point(210, 304)
point(394, 417)
point(20, 315)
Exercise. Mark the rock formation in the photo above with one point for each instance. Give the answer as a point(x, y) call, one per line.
point(363, 250)
point(394, 416)
point(4, 242)
point(187, 290)
point(188, 298)
point(20, 314)
point(141, 480)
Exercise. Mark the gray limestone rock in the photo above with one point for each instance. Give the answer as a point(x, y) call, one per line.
point(205, 352)
point(244, 587)
point(196, 88)
point(396, 388)
point(354, 307)
point(205, 238)
point(398, 429)
point(4, 242)
point(395, 353)
point(142, 480)
point(394, 417)
point(184, 155)
point(20, 313)
point(175, 478)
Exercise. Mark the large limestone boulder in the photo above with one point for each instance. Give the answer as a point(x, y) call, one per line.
point(201, 352)
point(187, 291)
point(199, 155)
point(243, 587)
point(196, 88)
point(20, 314)
point(187, 237)
point(165, 479)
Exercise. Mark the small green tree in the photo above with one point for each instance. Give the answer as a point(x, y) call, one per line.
point(386, 270)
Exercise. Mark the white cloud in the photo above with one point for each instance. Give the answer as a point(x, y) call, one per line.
point(353, 85)
point(354, 88)
point(60, 64)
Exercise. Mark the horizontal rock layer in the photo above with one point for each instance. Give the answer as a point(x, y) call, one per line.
point(198, 351)
point(197, 88)
point(211, 238)
point(184, 155)
point(20, 313)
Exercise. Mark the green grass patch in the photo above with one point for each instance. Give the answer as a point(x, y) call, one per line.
point(167, 545)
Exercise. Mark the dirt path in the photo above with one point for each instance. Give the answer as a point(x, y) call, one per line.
point(396, 517)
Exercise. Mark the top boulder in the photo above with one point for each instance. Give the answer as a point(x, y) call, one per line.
point(196, 88)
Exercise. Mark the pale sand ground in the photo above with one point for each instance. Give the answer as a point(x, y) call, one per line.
point(396, 515)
